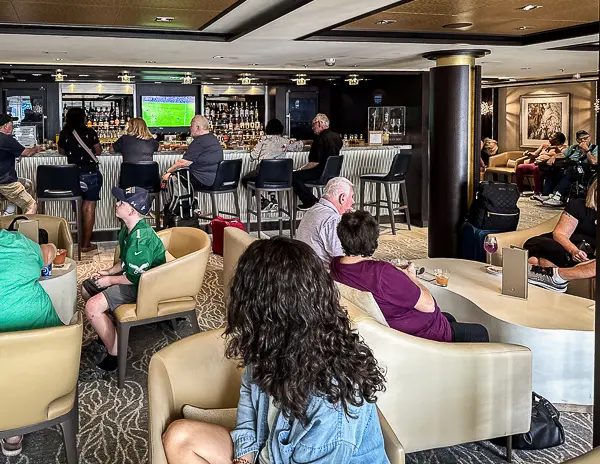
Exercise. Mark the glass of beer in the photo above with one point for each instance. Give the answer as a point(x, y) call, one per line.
point(441, 277)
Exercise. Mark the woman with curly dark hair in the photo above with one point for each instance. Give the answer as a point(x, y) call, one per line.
point(308, 392)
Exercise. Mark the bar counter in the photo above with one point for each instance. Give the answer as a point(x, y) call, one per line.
point(357, 161)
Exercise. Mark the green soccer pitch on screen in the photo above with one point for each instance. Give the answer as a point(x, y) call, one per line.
point(168, 111)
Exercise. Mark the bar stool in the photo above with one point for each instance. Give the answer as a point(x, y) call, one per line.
point(333, 168)
point(145, 174)
point(60, 183)
point(274, 175)
point(396, 175)
point(226, 181)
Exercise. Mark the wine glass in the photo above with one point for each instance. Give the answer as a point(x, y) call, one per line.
point(490, 245)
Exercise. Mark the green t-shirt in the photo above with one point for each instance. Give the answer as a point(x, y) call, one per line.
point(575, 153)
point(24, 304)
point(140, 250)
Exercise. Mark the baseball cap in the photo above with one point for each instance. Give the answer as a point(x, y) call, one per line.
point(138, 197)
point(6, 118)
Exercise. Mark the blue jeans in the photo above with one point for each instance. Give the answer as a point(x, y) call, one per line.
point(93, 181)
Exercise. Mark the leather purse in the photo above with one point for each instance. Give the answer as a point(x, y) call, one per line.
point(546, 430)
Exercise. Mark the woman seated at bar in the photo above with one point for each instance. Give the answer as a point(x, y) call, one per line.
point(81, 146)
point(137, 144)
point(406, 304)
point(273, 145)
point(24, 304)
point(573, 240)
point(308, 392)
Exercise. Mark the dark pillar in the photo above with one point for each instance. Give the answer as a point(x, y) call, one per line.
point(454, 150)
point(596, 419)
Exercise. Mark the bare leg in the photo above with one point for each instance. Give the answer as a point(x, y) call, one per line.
point(32, 209)
point(194, 442)
point(95, 310)
point(582, 271)
point(545, 263)
point(88, 210)
point(533, 260)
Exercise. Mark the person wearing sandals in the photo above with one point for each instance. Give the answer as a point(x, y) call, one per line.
point(81, 146)
point(24, 305)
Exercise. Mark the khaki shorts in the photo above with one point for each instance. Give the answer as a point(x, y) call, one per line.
point(15, 193)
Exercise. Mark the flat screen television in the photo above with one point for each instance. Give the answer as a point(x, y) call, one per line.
point(168, 111)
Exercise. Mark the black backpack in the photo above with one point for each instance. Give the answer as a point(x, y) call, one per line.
point(495, 207)
point(180, 201)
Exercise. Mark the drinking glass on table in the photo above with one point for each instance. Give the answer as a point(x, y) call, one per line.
point(490, 245)
point(441, 277)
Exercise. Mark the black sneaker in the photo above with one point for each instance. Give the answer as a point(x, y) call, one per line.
point(265, 205)
point(544, 277)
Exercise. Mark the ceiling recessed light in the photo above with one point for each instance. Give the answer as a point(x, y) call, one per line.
point(164, 19)
point(150, 61)
point(216, 78)
point(523, 28)
point(58, 59)
point(21, 80)
point(158, 82)
point(384, 22)
point(218, 57)
point(529, 7)
point(457, 25)
point(252, 64)
point(36, 74)
point(84, 75)
point(525, 69)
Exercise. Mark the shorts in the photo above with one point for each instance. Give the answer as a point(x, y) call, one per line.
point(93, 181)
point(15, 193)
point(116, 295)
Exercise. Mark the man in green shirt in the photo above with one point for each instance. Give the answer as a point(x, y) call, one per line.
point(140, 250)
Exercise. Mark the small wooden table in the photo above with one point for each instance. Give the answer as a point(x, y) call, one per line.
point(558, 328)
point(61, 287)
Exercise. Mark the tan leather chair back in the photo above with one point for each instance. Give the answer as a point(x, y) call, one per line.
point(58, 230)
point(192, 371)
point(181, 278)
point(39, 374)
point(443, 394)
point(235, 242)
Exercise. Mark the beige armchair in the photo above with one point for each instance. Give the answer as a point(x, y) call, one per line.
point(58, 229)
point(498, 164)
point(235, 241)
point(445, 394)
point(194, 372)
point(591, 457)
point(38, 385)
point(168, 291)
point(585, 288)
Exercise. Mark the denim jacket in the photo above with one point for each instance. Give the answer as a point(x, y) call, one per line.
point(329, 437)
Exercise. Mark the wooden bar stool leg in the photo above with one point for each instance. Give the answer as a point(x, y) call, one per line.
point(388, 195)
point(79, 220)
point(236, 201)
point(248, 207)
point(377, 202)
point(405, 200)
point(258, 211)
point(280, 211)
point(363, 184)
point(292, 213)
point(213, 204)
point(157, 211)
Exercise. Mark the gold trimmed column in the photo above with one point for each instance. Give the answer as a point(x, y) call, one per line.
point(454, 145)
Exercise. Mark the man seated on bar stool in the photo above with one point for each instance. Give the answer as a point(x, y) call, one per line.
point(326, 144)
point(140, 250)
point(318, 227)
point(202, 156)
point(10, 149)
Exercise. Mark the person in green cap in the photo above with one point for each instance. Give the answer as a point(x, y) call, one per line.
point(140, 250)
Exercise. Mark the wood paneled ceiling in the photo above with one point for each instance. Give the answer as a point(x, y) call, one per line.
point(188, 14)
point(489, 17)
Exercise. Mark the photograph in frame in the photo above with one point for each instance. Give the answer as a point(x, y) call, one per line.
point(542, 116)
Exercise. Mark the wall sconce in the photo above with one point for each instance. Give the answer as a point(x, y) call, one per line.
point(59, 76)
point(353, 79)
point(125, 77)
point(301, 79)
point(187, 78)
point(487, 108)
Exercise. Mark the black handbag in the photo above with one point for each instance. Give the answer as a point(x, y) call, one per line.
point(495, 207)
point(546, 430)
point(42, 234)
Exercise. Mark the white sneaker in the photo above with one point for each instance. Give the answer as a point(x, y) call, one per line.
point(554, 201)
point(540, 197)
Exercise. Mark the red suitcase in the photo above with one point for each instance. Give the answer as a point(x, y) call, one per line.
point(218, 231)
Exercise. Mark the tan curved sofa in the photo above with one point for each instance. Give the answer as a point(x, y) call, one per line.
point(497, 164)
point(585, 288)
point(168, 291)
point(58, 229)
point(195, 372)
point(38, 385)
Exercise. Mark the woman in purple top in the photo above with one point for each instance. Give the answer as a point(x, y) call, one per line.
point(405, 303)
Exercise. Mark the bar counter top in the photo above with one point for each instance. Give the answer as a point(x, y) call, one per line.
point(357, 161)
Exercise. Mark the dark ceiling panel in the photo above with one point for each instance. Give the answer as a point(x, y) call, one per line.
point(210, 5)
point(7, 12)
point(66, 14)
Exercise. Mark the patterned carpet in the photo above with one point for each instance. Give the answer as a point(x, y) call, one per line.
point(113, 422)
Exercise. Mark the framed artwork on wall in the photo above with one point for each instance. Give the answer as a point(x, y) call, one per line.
point(542, 116)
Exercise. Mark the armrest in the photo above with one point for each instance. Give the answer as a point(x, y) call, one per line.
point(191, 371)
point(393, 447)
point(498, 160)
point(430, 385)
point(521, 160)
point(180, 278)
point(519, 237)
point(65, 240)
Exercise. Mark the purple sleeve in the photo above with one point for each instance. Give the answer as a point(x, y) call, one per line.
point(398, 287)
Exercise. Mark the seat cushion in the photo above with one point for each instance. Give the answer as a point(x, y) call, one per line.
point(270, 185)
point(380, 177)
point(500, 170)
point(223, 417)
point(126, 313)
